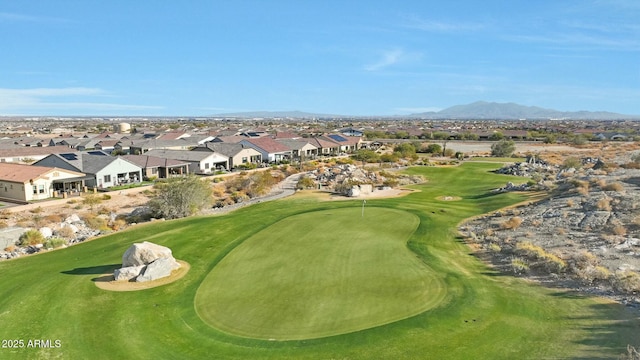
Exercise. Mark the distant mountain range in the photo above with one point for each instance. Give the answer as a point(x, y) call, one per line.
point(478, 110)
point(511, 111)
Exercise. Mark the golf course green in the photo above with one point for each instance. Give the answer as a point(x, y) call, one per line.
point(301, 278)
point(345, 270)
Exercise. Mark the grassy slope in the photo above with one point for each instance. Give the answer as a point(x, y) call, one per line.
point(51, 296)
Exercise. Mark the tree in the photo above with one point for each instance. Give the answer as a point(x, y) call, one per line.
point(496, 136)
point(503, 148)
point(180, 196)
point(433, 149)
point(406, 150)
point(366, 155)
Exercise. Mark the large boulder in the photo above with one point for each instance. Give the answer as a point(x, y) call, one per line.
point(144, 253)
point(128, 273)
point(160, 268)
point(146, 262)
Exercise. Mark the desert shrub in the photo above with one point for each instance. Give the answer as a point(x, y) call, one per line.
point(96, 222)
point(37, 210)
point(103, 210)
point(627, 281)
point(615, 186)
point(3, 224)
point(495, 247)
point(391, 182)
point(550, 261)
point(619, 230)
point(519, 265)
point(105, 197)
point(65, 232)
point(554, 263)
point(5, 214)
point(30, 237)
point(584, 260)
point(72, 201)
point(561, 231)
point(54, 243)
point(572, 163)
point(513, 223)
point(488, 232)
point(53, 218)
point(305, 182)
point(10, 248)
point(604, 204)
point(536, 222)
point(118, 224)
point(91, 200)
point(571, 203)
point(582, 187)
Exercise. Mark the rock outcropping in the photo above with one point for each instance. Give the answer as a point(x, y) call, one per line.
point(146, 262)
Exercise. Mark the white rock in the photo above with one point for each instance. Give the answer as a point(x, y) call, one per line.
point(72, 219)
point(158, 269)
point(46, 232)
point(144, 253)
point(128, 273)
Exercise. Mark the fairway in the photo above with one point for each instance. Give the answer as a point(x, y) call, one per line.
point(317, 277)
point(318, 274)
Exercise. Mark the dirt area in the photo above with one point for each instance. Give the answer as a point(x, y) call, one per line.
point(107, 282)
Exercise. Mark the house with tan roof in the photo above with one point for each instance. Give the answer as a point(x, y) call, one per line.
point(23, 183)
point(162, 168)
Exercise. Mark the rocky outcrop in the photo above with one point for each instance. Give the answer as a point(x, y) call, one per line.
point(146, 261)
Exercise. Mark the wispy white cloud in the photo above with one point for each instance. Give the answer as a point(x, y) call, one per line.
point(388, 58)
point(414, 22)
point(40, 99)
point(16, 17)
point(393, 57)
point(580, 41)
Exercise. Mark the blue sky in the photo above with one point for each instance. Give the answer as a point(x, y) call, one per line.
point(177, 58)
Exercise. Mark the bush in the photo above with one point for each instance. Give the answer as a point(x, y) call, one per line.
point(66, 232)
point(627, 281)
point(513, 223)
point(305, 182)
point(96, 223)
point(105, 197)
point(616, 186)
point(519, 265)
point(30, 237)
point(54, 243)
point(503, 148)
point(180, 196)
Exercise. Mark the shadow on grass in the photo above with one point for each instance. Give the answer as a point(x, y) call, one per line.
point(93, 270)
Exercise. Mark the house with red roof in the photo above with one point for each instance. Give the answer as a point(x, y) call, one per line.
point(269, 149)
point(23, 183)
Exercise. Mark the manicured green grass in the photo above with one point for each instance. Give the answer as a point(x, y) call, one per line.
point(318, 274)
point(483, 315)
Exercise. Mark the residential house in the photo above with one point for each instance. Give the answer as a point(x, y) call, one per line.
point(200, 162)
point(23, 183)
point(29, 154)
point(237, 153)
point(105, 170)
point(300, 148)
point(270, 150)
point(157, 167)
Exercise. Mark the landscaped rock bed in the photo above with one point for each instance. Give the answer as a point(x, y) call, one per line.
point(584, 236)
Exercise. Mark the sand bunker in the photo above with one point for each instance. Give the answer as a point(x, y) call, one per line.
point(107, 282)
point(449, 198)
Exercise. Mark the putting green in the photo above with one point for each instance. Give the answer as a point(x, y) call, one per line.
point(319, 274)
